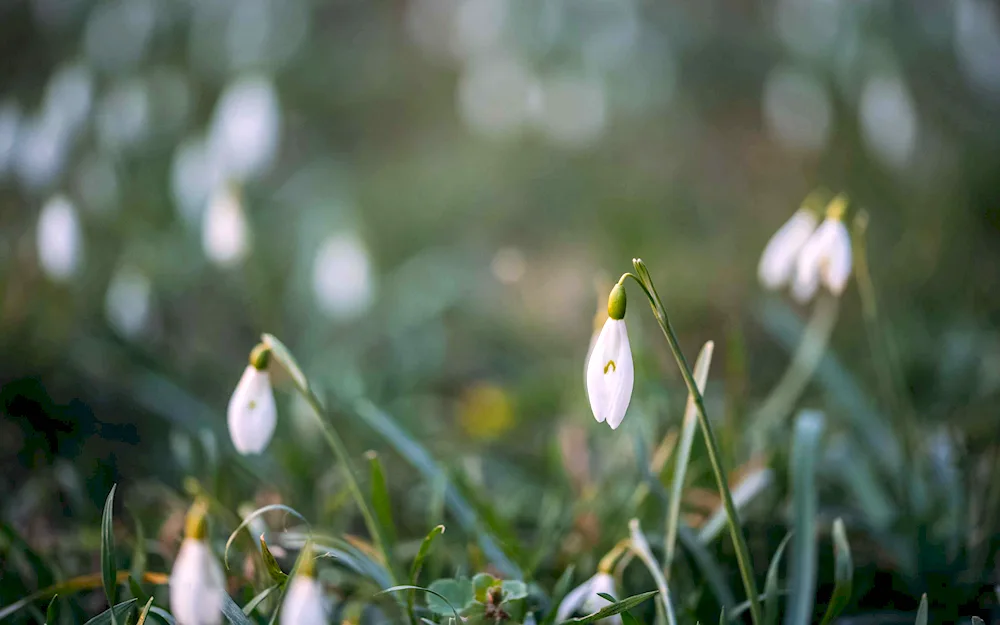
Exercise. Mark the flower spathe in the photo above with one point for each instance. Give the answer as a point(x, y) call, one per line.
point(304, 603)
point(825, 259)
point(197, 583)
point(778, 262)
point(252, 415)
point(610, 372)
point(585, 598)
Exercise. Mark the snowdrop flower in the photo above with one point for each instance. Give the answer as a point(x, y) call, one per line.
point(304, 603)
point(777, 263)
point(252, 415)
point(585, 598)
point(609, 371)
point(826, 257)
point(197, 584)
point(58, 238)
point(225, 233)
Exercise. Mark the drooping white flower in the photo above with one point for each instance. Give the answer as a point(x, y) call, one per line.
point(304, 604)
point(777, 263)
point(58, 238)
point(197, 583)
point(825, 259)
point(610, 372)
point(252, 415)
point(585, 598)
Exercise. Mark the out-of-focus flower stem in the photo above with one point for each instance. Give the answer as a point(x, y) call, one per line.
point(341, 455)
point(735, 528)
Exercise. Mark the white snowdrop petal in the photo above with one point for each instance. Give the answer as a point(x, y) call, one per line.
point(777, 263)
point(573, 600)
point(342, 276)
point(304, 603)
point(810, 261)
point(837, 267)
point(610, 374)
point(197, 585)
point(602, 583)
point(625, 376)
point(252, 415)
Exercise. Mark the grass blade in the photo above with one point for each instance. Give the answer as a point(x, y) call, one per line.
point(256, 601)
point(278, 576)
point(113, 615)
point(922, 611)
point(418, 563)
point(76, 584)
point(610, 610)
point(109, 571)
point(802, 567)
point(52, 612)
point(843, 573)
point(416, 455)
point(771, 583)
point(234, 613)
point(380, 500)
point(145, 612)
point(690, 425)
point(249, 518)
point(458, 619)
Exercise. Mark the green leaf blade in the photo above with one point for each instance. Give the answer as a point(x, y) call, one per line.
point(109, 571)
point(802, 572)
point(843, 573)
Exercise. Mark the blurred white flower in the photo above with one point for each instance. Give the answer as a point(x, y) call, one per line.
point(825, 259)
point(508, 265)
point(246, 128)
point(493, 96)
point(194, 175)
point(889, 122)
point(781, 253)
point(342, 276)
point(251, 414)
point(126, 304)
point(68, 97)
point(60, 245)
point(571, 110)
point(584, 598)
point(797, 108)
point(41, 151)
point(304, 604)
point(197, 585)
point(610, 371)
point(225, 234)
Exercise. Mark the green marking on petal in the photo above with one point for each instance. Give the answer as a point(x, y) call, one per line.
point(611, 363)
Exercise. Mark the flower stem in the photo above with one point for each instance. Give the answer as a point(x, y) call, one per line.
point(338, 447)
point(735, 529)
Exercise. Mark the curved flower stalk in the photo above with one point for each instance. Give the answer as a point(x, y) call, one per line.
point(197, 583)
point(610, 373)
point(616, 309)
point(304, 603)
point(252, 415)
point(826, 257)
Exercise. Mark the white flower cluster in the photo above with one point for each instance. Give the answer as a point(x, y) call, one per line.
point(807, 254)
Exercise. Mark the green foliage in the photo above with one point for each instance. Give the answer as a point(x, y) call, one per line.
point(109, 569)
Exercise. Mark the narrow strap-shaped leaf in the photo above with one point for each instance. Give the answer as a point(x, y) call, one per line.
point(163, 615)
point(802, 571)
point(145, 612)
point(256, 601)
point(234, 613)
point(380, 500)
point(119, 612)
point(109, 571)
point(52, 612)
point(278, 576)
point(688, 428)
point(771, 583)
point(610, 610)
point(640, 546)
point(83, 582)
point(418, 562)
point(458, 618)
point(922, 611)
point(843, 573)
point(249, 519)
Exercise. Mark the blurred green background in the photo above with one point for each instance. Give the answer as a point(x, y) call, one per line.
point(427, 200)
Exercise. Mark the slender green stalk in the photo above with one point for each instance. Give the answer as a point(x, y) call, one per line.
point(640, 547)
point(735, 529)
point(281, 353)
